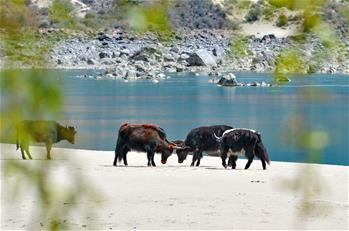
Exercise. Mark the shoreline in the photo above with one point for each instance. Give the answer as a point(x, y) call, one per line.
point(176, 196)
point(173, 156)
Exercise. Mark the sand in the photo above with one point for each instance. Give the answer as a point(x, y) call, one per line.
point(176, 196)
point(261, 28)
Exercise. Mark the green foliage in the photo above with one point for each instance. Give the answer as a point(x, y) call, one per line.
point(283, 3)
point(239, 47)
point(151, 17)
point(268, 11)
point(312, 68)
point(254, 13)
point(282, 20)
point(60, 11)
point(310, 22)
point(289, 61)
point(243, 4)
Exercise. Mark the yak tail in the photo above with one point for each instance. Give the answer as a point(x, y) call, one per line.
point(261, 151)
point(118, 151)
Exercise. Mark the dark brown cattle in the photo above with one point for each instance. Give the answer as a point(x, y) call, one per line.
point(147, 138)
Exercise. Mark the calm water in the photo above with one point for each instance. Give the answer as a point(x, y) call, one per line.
point(98, 107)
point(178, 104)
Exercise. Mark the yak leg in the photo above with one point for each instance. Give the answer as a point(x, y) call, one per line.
point(249, 155)
point(224, 156)
point(199, 158)
point(26, 149)
point(233, 159)
point(249, 163)
point(124, 155)
point(230, 161)
point(22, 152)
point(149, 156)
point(195, 157)
point(48, 149)
point(152, 160)
point(263, 164)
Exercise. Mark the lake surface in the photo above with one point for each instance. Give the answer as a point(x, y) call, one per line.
point(98, 107)
point(186, 101)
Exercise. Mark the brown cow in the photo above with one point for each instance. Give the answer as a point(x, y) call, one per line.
point(48, 132)
point(147, 138)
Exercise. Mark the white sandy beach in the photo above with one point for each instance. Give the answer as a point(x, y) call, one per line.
point(175, 196)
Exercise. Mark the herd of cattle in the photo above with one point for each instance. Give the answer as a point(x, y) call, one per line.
point(218, 140)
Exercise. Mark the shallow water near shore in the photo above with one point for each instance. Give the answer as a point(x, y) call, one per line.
point(185, 101)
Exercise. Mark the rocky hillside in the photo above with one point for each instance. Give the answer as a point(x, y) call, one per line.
point(211, 35)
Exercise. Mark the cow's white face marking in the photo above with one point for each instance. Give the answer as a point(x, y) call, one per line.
point(234, 129)
point(239, 153)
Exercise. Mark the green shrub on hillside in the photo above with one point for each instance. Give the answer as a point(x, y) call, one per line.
point(282, 20)
point(254, 14)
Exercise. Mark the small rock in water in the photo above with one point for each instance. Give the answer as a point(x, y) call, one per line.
point(229, 80)
point(155, 81)
point(161, 76)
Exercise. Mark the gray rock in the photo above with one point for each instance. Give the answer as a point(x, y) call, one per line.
point(228, 80)
point(131, 75)
point(174, 49)
point(201, 58)
point(103, 55)
point(126, 52)
point(91, 61)
point(169, 58)
point(184, 56)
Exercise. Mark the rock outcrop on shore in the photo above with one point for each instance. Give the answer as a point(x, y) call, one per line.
point(133, 56)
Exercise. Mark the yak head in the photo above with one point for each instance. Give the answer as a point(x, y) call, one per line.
point(181, 152)
point(168, 150)
point(69, 134)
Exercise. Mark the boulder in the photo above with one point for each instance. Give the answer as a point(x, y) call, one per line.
point(184, 56)
point(131, 75)
point(102, 37)
point(144, 54)
point(201, 58)
point(103, 55)
point(268, 38)
point(228, 80)
point(91, 61)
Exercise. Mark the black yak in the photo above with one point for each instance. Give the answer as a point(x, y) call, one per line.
point(42, 131)
point(200, 140)
point(241, 141)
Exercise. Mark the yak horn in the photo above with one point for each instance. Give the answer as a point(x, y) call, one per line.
point(174, 146)
point(219, 139)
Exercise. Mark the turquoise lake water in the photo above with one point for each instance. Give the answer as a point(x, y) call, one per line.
point(186, 101)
